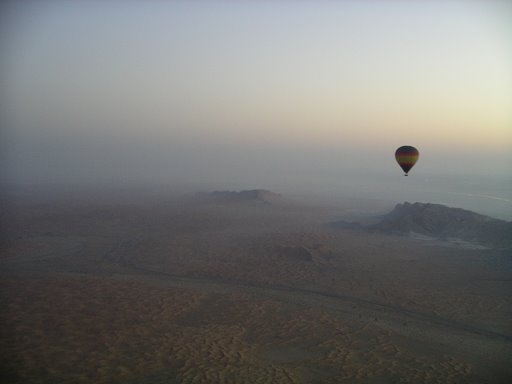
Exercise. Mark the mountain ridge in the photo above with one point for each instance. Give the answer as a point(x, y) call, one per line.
point(255, 195)
point(440, 222)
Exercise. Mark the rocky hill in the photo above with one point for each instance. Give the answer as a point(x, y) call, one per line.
point(442, 222)
point(253, 195)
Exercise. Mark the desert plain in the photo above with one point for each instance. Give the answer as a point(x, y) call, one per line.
point(242, 288)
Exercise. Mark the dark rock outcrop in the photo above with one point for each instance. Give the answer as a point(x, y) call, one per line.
point(442, 222)
point(297, 253)
point(260, 195)
point(439, 222)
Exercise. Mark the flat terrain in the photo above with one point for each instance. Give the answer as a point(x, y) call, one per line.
point(202, 290)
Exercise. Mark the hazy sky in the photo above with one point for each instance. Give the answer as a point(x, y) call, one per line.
point(243, 90)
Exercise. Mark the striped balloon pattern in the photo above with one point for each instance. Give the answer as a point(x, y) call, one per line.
point(406, 156)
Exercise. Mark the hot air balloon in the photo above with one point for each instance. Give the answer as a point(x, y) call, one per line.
point(406, 156)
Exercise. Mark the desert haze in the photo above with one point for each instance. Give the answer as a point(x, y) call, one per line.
point(252, 287)
point(208, 192)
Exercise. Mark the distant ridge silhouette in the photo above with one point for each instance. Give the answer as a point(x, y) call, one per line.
point(441, 222)
point(261, 195)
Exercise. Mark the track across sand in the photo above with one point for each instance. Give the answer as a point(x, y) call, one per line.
point(298, 295)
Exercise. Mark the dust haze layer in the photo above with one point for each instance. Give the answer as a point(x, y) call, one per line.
point(117, 119)
point(296, 98)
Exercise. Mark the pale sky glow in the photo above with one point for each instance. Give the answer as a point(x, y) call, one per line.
point(355, 76)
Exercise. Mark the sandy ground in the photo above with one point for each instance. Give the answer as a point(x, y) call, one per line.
point(195, 291)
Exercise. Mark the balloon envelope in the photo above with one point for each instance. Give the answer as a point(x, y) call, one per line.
point(406, 156)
